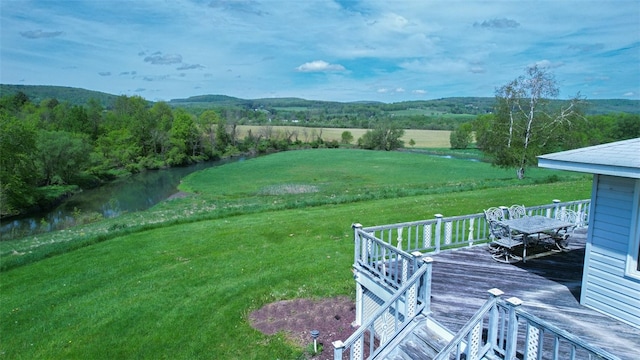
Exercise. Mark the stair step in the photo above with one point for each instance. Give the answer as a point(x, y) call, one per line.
point(422, 343)
point(417, 350)
point(432, 339)
point(397, 356)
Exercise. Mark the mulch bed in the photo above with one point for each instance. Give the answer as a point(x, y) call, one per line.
point(296, 318)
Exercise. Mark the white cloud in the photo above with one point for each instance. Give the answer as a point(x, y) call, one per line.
point(319, 66)
point(548, 64)
point(391, 22)
point(371, 50)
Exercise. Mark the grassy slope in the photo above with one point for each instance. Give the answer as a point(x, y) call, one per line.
point(184, 291)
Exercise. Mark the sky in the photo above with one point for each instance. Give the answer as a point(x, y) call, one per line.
point(336, 50)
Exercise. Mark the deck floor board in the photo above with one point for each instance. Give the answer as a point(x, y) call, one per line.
point(549, 286)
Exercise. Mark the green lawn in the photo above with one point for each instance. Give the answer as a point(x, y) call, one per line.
point(179, 280)
point(351, 175)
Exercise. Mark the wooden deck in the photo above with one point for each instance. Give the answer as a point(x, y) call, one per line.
point(549, 287)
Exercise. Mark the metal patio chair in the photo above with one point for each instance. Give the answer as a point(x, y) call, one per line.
point(504, 242)
point(493, 214)
point(561, 236)
point(517, 211)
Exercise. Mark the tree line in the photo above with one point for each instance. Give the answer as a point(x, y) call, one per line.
point(335, 115)
point(56, 144)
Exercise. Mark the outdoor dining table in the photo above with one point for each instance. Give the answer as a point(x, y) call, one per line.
point(530, 226)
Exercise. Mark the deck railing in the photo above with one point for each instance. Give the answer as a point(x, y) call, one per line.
point(440, 233)
point(469, 341)
point(502, 330)
point(384, 261)
point(581, 207)
point(412, 298)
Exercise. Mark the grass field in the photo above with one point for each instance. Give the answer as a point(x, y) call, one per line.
point(422, 138)
point(179, 280)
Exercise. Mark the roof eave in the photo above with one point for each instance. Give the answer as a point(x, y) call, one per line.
point(621, 171)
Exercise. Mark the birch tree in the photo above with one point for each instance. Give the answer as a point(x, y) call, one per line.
point(527, 123)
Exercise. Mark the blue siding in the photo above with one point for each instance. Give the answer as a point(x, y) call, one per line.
point(605, 286)
point(604, 261)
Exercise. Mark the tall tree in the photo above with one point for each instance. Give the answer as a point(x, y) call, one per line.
point(386, 136)
point(526, 123)
point(461, 137)
point(162, 117)
point(76, 120)
point(184, 138)
point(118, 149)
point(133, 114)
point(62, 156)
point(207, 122)
point(17, 170)
point(94, 116)
point(223, 138)
point(346, 137)
point(628, 126)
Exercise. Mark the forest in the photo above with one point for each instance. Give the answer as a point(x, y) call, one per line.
point(52, 146)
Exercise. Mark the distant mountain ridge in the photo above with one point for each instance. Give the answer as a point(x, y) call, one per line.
point(74, 96)
point(471, 105)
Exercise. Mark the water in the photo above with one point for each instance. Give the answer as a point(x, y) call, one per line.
point(135, 193)
point(435, 154)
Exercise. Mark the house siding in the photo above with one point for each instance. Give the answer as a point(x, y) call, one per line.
point(605, 286)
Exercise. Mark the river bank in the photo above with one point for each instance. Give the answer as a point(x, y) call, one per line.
point(76, 206)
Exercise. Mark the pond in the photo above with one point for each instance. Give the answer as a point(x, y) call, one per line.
point(135, 193)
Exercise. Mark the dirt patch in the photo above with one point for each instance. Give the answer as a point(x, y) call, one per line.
point(286, 189)
point(296, 318)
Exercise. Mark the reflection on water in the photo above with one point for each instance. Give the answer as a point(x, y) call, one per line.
point(135, 193)
point(453, 157)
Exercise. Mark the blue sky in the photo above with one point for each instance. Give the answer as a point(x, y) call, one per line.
point(340, 50)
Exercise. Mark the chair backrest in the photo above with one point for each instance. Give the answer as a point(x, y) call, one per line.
point(494, 214)
point(567, 215)
point(517, 211)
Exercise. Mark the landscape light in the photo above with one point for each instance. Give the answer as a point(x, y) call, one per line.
point(314, 336)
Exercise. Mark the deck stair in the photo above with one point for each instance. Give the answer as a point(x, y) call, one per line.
point(498, 330)
point(419, 340)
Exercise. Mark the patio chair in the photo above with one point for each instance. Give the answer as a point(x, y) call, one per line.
point(494, 214)
point(517, 211)
point(504, 242)
point(561, 236)
point(582, 219)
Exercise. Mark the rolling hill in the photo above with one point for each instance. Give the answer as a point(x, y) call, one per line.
point(454, 105)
